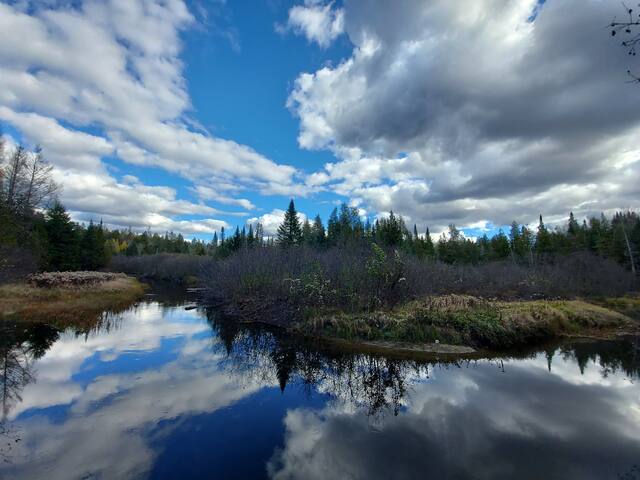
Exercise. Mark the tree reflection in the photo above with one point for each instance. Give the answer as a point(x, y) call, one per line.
point(612, 357)
point(376, 383)
point(20, 347)
point(267, 355)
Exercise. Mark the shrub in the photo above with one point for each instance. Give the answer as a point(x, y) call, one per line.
point(172, 267)
point(360, 279)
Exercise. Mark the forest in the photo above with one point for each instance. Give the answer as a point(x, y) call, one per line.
point(38, 234)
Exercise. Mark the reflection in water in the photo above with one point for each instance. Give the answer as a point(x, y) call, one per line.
point(162, 392)
point(20, 346)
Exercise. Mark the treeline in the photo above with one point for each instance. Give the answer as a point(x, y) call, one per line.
point(617, 238)
point(34, 237)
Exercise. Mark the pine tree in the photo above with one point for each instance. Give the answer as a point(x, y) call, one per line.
point(307, 235)
point(543, 239)
point(62, 239)
point(290, 232)
point(429, 248)
point(318, 233)
point(259, 235)
point(333, 228)
point(391, 230)
point(250, 237)
point(93, 254)
point(500, 246)
point(573, 225)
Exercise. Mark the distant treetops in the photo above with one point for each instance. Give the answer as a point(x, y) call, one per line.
point(52, 241)
point(617, 238)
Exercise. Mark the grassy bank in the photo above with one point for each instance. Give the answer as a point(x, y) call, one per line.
point(471, 321)
point(65, 302)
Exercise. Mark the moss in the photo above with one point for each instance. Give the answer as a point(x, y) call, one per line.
point(67, 305)
point(464, 320)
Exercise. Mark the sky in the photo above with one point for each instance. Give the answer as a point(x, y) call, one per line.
point(194, 115)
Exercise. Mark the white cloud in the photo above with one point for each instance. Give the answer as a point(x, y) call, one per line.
point(66, 148)
point(132, 204)
point(207, 193)
point(318, 22)
point(453, 112)
point(113, 68)
point(454, 419)
point(271, 221)
point(122, 407)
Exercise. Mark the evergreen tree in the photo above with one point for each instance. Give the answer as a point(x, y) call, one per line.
point(573, 226)
point(333, 228)
point(317, 232)
point(429, 248)
point(368, 231)
point(290, 232)
point(259, 236)
point(250, 237)
point(62, 239)
point(500, 247)
point(307, 234)
point(391, 230)
point(543, 239)
point(93, 252)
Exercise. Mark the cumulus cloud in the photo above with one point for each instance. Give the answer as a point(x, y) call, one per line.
point(318, 22)
point(459, 417)
point(450, 112)
point(112, 68)
point(271, 221)
point(132, 204)
point(124, 407)
point(207, 193)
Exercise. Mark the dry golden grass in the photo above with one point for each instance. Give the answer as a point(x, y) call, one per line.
point(67, 304)
point(467, 320)
point(628, 305)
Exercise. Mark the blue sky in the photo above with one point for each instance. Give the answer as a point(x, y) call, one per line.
point(193, 115)
point(241, 92)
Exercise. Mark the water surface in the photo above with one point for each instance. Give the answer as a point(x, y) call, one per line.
point(164, 392)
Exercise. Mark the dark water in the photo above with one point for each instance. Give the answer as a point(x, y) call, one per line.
point(161, 392)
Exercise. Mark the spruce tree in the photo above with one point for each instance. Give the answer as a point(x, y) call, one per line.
point(543, 239)
point(307, 234)
point(290, 232)
point(259, 235)
point(429, 248)
point(333, 228)
point(250, 237)
point(318, 233)
point(62, 239)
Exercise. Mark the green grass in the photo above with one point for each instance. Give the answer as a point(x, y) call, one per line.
point(466, 320)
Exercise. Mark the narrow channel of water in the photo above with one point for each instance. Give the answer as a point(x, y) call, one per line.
point(164, 392)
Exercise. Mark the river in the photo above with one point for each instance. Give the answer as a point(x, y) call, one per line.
point(161, 391)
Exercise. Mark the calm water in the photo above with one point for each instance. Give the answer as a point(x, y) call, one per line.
point(164, 392)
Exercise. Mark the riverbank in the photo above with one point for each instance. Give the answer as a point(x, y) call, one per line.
point(439, 322)
point(68, 296)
